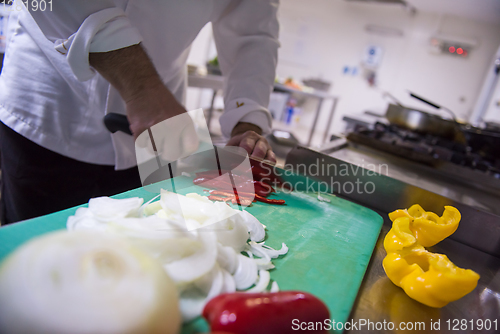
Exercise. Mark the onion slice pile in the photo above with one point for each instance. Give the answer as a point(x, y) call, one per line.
point(198, 242)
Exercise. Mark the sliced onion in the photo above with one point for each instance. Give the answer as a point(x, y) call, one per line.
point(229, 283)
point(107, 208)
point(68, 282)
point(246, 273)
point(193, 300)
point(227, 258)
point(192, 267)
point(265, 265)
point(262, 263)
point(196, 211)
point(255, 228)
point(274, 287)
point(262, 250)
point(264, 278)
point(85, 220)
point(232, 233)
point(197, 241)
point(149, 209)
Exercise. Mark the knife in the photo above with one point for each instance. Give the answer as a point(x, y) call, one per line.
point(116, 122)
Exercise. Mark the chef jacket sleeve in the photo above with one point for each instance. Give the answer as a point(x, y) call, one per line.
point(246, 36)
point(78, 27)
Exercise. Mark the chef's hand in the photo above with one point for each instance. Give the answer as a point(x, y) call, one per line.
point(248, 136)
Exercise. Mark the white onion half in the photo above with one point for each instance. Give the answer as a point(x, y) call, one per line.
point(82, 282)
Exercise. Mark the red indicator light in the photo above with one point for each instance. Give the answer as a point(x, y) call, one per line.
point(460, 51)
point(451, 49)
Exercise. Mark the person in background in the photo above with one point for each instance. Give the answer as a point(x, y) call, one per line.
point(69, 65)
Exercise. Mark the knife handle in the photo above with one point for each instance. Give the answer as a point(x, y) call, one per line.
point(116, 122)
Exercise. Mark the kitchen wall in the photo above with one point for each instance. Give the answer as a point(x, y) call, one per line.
point(333, 33)
point(320, 38)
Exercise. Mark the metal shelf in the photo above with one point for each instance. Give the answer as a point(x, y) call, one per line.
point(216, 83)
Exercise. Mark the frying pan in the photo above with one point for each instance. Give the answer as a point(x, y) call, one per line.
point(484, 142)
point(420, 121)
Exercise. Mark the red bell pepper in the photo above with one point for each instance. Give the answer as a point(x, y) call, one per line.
point(265, 173)
point(265, 313)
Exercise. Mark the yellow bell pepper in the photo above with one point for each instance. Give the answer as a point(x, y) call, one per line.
point(400, 236)
point(392, 304)
point(429, 278)
point(427, 227)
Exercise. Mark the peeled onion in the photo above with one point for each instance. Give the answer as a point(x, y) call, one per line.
point(83, 282)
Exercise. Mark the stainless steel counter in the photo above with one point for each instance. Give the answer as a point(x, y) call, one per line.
point(463, 190)
point(379, 300)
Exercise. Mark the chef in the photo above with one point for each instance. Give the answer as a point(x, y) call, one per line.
point(67, 66)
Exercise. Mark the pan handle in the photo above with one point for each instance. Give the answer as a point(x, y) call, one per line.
point(425, 101)
point(395, 100)
point(437, 106)
point(117, 122)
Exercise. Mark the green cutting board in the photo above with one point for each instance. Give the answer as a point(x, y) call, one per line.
point(330, 244)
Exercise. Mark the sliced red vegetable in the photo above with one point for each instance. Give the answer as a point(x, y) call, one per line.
point(266, 173)
point(266, 313)
point(243, 201)
point(257, 197)
point(262, 189)
point(246, 186)
point(227, 193)
point(269, 201)
point(216, 198)
point(230, 197)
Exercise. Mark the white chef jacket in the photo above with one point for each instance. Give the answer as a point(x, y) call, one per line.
point(51, 95)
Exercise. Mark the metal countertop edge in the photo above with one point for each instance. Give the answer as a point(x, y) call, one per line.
point(477, 229)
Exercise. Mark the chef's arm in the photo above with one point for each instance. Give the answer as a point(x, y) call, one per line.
point(132, 73)
point(246, 36)
point(79, 27)
point(96, 35)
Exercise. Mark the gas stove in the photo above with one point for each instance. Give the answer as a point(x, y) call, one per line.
point(445, 155)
